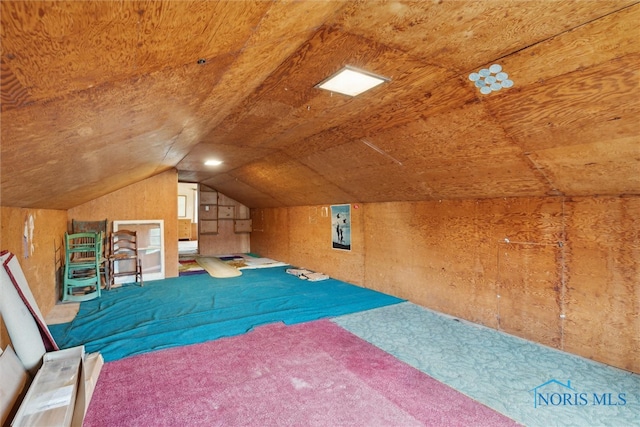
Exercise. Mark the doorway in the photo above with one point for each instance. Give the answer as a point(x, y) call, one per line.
point(187, 218)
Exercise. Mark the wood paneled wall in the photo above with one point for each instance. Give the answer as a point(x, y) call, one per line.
point(227, 241)
point(267, 238)
point(603, 280)
point(152, 198)
point(301, 236)
point(40, 254)
point(561, 272)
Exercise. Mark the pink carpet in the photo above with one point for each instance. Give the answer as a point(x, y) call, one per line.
point(310, 374)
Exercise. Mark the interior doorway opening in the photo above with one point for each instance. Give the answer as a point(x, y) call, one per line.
point(187, 218)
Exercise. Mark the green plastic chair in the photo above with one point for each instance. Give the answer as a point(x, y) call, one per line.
point(83, 256)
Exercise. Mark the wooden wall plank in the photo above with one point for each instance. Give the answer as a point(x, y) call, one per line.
point(429, 253)
point(603, 280)
point(529, 291)
point(270, 236)
point(563, 273)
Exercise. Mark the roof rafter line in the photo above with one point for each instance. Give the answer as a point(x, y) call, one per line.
point(568, 30)
point(542, 173)
point(380, 150)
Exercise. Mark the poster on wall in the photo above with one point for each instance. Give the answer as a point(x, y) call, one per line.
point(341, 227)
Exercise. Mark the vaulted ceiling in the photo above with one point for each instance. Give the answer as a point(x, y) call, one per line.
point(98, 95)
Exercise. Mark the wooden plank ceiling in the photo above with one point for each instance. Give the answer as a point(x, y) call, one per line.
point(98, 95)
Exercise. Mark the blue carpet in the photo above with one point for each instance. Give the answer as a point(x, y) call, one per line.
point(188, 310)
point(500, 370)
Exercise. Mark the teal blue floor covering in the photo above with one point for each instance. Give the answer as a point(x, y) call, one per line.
point(187, 310)
point(511, 375)
point(530, 383)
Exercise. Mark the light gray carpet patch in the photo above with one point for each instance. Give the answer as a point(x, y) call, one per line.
point(533, 384)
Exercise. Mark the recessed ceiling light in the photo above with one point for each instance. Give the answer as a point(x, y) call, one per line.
point(491, 79)
point(351, 81)
point(213, 162)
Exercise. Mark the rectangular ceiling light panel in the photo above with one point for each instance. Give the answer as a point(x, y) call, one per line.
point(351, 81)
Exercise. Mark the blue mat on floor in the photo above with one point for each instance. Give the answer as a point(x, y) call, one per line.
point(500, 370)
point(188, 310)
